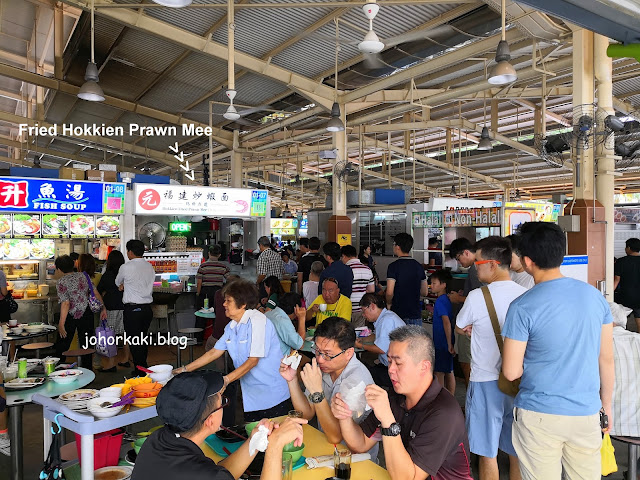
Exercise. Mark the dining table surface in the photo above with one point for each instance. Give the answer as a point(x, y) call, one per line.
point(316, 443)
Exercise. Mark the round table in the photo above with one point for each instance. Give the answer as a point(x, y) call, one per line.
point(16, 338)
point(16, 399)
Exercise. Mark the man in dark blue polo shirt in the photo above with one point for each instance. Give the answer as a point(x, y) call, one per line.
point(406, 282)
point(336, 269)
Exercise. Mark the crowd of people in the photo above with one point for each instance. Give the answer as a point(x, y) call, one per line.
point(535, 349)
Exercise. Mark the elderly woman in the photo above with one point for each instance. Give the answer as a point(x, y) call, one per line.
point(254, 347)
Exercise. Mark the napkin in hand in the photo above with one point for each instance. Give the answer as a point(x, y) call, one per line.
point(327, 460)
point(259, 441)
point(292, 360)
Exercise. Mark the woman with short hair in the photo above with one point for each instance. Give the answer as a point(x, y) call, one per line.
point(254, 347)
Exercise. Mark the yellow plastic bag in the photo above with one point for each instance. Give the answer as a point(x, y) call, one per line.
point(608, 456)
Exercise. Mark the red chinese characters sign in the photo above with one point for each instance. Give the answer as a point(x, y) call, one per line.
point(13, 194)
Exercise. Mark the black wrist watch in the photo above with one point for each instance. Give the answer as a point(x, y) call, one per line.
point(393, 430)
point(316, 397)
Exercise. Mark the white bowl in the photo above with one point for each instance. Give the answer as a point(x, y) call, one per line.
point(13, 322)
point(65, 376)
point(16, 330)
point(111, 392)
point(96, 410)
point(34, 328)
point(161, 373)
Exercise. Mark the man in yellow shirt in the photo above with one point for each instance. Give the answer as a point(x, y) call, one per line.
point(330, 304)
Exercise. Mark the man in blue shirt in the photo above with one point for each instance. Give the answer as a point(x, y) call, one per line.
point(289, 309)
point(559, 339)
point(336, 269)
point(406, 282)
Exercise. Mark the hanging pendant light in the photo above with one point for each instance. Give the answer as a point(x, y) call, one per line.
point(485, 140)
point(335, 123)
point(503, 72)
point(90, 90)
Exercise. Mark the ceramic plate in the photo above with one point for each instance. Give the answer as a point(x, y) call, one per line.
point(120, 472)
point(24, 383)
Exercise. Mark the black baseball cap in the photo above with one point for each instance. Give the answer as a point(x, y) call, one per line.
point(182, 400)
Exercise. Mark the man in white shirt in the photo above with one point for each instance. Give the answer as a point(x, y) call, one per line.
point(518, 273)
point(362, 282)
point(135, 278)
point(489, 412)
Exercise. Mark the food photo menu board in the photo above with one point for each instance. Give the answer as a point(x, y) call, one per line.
point(15, 249)
point(6, 223)
point(42, 248)
point(82, 226)
point(55, 225)
point(26, 225)
point(107, 226)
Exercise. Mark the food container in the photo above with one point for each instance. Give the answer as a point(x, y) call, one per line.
point(10, 373)
point(161, 373)
point(111, 392)
point(65, 376)
point(94, 406)
point(32, 292)
point(34, 328)
point(17, 330)
point(13, 322)
point(43, 290)
point(147, 390)
point(18, 294)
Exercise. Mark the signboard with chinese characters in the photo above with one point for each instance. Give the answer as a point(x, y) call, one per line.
point(626, 215)
point(49, 195)
point(196, 200)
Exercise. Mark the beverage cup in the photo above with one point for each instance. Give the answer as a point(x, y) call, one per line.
point(323, 307)
point(10, 373)
point(13, 322)
point(287, 466)
point(22, 368)
point(342, 463)
point(49, 366)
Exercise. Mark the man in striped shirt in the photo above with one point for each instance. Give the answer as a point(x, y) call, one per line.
point(362, 282)
point(211, 275)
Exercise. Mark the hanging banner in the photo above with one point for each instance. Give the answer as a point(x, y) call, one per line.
point(196, 200)
point(63, 196)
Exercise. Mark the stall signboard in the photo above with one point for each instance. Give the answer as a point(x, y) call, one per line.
point(64, 196)
point(473, 217)
point(304, 224)
point(545, 211)
point(289, 223)
point(514, 217)
point(179, 227)
point(196, 200)
point(55, 225)
point(626, 215)
point(427, 219)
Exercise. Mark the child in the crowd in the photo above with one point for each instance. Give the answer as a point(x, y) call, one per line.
point(310, 287)
point(443, 338)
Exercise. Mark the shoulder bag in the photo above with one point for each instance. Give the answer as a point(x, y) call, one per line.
point(11, 304)
point(510, 387)
point(94, 304)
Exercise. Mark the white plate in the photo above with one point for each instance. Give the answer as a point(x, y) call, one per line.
point(24, 383)
point(82, 394)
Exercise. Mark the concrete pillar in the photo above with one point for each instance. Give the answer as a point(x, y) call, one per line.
point(591, 238)
point(605, 153)
point(236, 162)
point(339, 223)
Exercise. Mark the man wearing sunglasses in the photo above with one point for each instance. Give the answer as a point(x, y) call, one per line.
point(190, 406)
point(335, 363)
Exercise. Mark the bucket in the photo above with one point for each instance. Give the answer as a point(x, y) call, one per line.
point(106, 448)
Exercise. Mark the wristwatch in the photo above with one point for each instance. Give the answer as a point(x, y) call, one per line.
point(393, 430)
point(316, 397)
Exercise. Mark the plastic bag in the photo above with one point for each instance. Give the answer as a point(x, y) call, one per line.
point(607, 452)
point(352, 392)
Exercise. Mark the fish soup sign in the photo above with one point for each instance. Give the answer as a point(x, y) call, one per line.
point(196, 200)
point(49, 195)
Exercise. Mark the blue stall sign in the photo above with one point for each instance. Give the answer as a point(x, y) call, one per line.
point(62, 196)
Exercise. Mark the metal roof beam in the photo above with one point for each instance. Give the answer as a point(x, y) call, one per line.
point(221, 136)
point(178, 36)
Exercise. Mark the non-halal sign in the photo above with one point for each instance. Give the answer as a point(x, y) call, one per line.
point(62, 196)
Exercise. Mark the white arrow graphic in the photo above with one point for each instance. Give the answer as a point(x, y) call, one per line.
point(192, 177)
point(185, 168)
point(179, 157)
point(174, 148)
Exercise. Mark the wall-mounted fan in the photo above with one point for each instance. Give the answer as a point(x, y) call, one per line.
point(629, 153)
point(552, 149)
point(345, 171)
point(152, 235)
point(583, 128)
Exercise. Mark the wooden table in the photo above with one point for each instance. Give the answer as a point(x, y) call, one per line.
point(316, 444)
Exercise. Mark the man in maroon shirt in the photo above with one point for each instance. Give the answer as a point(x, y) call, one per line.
point(422, 426)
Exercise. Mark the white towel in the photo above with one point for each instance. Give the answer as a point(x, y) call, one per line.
point(327, 460)
point(259, 441)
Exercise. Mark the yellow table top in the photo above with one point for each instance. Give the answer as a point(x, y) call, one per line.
point(316, 444)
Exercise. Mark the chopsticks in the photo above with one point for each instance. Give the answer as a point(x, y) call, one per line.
point(232, 432)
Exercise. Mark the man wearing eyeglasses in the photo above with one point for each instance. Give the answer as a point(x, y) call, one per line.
point(489, 411)
point(190, 406)
point(335, 363)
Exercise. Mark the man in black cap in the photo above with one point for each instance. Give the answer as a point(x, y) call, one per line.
point(191, 406)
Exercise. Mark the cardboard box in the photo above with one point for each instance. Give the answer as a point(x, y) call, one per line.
point(101, 176)
point(82, 166)
point(107, 167)
point(71, 173)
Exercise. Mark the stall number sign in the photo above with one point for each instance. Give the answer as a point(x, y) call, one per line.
point(190, 199)
point(64, 196)
point(180, 227)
